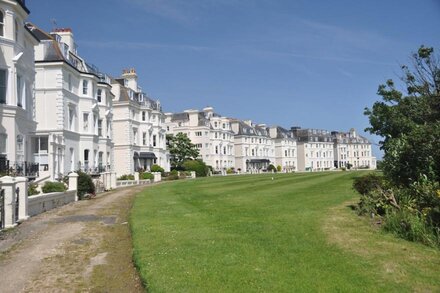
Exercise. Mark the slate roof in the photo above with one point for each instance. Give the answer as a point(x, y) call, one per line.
point(53, 53)
point(347, 137)
point(312, 135)
point(284, 133)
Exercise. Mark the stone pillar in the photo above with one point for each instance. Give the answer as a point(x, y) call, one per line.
point(22, 184)
point(157, 176)
point(136, 177)
point(108, 183)
point(73, 183)
point(8, 185)
point(113, 180)
point(193, 174)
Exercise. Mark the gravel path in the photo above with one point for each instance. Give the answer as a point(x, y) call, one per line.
point(82, 247)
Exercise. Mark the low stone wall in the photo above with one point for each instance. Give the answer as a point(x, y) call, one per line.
point(41, 203)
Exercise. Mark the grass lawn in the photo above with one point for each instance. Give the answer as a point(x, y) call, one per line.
point(251, 233)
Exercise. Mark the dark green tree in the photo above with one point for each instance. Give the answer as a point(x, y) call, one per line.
point(181, 149)
point(409, 121)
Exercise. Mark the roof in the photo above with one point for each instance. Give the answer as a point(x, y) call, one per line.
point(57, 51)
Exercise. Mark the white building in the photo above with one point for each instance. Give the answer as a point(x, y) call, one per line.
point(315, 149)
point(352, 150)
point(210, 132)
point(73, 109)
point(285, 148)
point(17, 76)
point(254, 149)
point(138, 123)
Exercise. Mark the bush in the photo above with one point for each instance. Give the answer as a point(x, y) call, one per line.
point(271, 168)
point(279, 168)
point(230, 171)
point(198, 166)
point(49, 187)
point(366, 184)
point(126, 177)
point(32, 189)
point(85, 185)
point(173, 175)
point(156, 168)
point(411, 226)
point(146, 175)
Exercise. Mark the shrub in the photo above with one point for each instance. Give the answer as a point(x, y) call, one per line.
point(85, 185)
point(156, 168)
point(198, 166)
point(146, 175)
point(32, 189)
point(279, 168)
point(366, 184)
point(126, 177)
point(271, 168)
point(49, 187)
point(230, 171)
point(411, 226)
point(173, 175)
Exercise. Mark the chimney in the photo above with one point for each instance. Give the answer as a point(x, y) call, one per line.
point(66, 37)
point(130, 78)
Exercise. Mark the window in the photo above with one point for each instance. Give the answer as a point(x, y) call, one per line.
point(224, 136)
point(215, 124)
point(98, 95)
point(144, 138)
point(3, 84)
point(85, 87)
point(69, 82)
point(100, 127)
point(154, 140)
point(86, 122)
point(71, 118)
point(95, 124)
point(3, 140)
point(135, 132)
point(143, 115)
point(224, 126)
point(16, 30)
point(19, 91)
point(2, 23)
point(216, 149)
point(224, 150)
point(199, 145)
point(198, 133)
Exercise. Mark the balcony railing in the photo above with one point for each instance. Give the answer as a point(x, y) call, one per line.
point(91, 170)
point(25, 169)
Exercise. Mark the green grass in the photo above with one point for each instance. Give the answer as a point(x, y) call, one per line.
point(251, 233)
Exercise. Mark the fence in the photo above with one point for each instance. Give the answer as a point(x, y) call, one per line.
point(15, 206)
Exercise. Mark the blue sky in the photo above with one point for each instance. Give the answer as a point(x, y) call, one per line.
point(314, 64)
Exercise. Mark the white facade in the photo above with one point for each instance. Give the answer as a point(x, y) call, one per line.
point(285, 149)
point(210, 132)
point(352, 151)
point(254, 149)
point(315, 149)
point(17, 76)
point(139, 131)
point(73, 109)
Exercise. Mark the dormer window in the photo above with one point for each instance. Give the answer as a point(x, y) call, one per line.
point(2, 18)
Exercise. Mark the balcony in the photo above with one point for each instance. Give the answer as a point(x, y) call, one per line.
point(14, 169)
point(92, 170)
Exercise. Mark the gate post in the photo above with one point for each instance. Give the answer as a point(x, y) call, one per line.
point(22, 184)
point(8, 185)
point(73, 183)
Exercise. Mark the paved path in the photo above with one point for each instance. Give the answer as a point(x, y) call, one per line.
point(81, 247)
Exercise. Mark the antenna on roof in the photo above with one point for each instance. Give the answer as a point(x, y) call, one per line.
point(54, 23)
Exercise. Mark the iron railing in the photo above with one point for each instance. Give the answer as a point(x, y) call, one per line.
point(25, 169)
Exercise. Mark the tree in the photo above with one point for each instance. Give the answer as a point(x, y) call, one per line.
point(409, 121)
point(181, 149)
